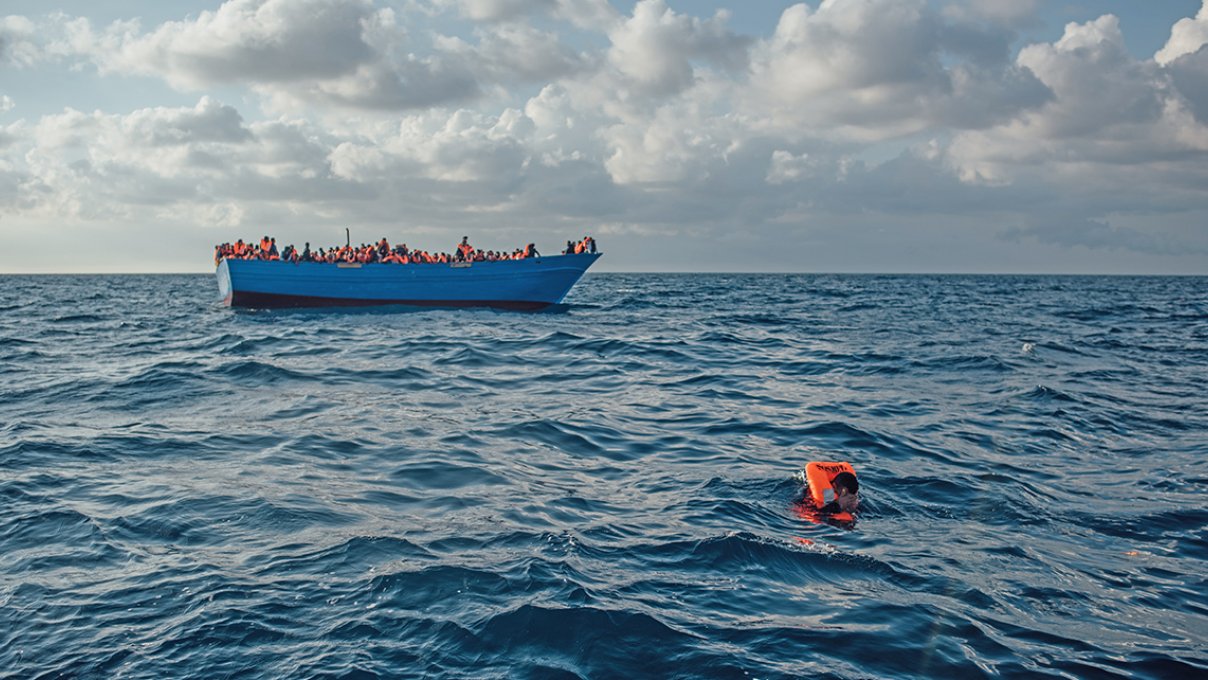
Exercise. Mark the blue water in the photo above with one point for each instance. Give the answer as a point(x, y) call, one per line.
point(192, 491)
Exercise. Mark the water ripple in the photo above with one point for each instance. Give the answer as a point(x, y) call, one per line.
point(611, 490)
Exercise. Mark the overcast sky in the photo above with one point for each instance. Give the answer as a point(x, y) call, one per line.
point(836, 136)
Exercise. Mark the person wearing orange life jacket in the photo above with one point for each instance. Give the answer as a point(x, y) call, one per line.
point(531, 251)
point(832, 489)
point(464, 249)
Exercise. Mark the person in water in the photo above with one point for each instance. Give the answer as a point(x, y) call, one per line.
point(847, 499)
point(831, 490)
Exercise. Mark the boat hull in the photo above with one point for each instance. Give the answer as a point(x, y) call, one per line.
point(530, 284)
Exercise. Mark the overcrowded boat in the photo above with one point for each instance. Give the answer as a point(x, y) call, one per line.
point(259, 275)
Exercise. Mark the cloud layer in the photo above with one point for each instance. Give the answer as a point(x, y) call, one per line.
point(860, 127)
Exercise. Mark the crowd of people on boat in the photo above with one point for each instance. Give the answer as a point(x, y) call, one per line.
point(382, 252)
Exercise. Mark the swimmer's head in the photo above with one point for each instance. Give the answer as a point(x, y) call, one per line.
point(846, 489)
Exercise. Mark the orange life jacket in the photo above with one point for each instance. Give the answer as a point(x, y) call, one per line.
point(820, 476)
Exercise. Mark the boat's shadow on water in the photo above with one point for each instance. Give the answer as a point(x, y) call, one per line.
point(374, 310)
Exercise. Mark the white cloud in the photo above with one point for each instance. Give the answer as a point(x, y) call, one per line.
point(256, 41)
point(498, 10)
point(18, 41)
point(862, 127)
point(209, 121)
point(466, 146)
point(875, 69)
point(515, 52)
point(1185, 57)
point(220, 215)
point(407, 84)
point(1189, 74)
point(1006, 12)
point(1107, 108)
point(677, 141)
point(787, 167)
point(1098, 83)
point(654, 49)
point(97, 166)
point(583, 13)
point(6, 104)
point(1115, 138)
point(336, 52)
point(1186, 37)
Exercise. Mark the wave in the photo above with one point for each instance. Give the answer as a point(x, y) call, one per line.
point(191, 490)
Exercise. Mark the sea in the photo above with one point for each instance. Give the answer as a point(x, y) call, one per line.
point(609, 490)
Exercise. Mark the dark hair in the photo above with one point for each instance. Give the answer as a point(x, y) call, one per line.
point(846, 480)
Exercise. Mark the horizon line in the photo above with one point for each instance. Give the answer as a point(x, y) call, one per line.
point(695, 273)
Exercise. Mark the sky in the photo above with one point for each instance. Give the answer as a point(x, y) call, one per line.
point(945, 136)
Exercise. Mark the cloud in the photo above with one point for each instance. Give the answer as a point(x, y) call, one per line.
point(583, 13)
point(1189, 74)
point(876, 69)
point(1185, 57)
point(1096, 234)
point(255, 40)
point(412, 83)
point(98, 166)
point(786, 167)
point(6, 104)
point(511, 53)
point(18, 42)
point(1097, 81)
point(341, 53)
point(1013, 13)
point(462, 147)
point(1116, 138)
point(1107, 108)
point(1186, 37)
point(209, 121)
point(861, 129)
point(677, 141)
point(655, 48)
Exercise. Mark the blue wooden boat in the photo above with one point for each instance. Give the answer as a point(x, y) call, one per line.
point(530, 284)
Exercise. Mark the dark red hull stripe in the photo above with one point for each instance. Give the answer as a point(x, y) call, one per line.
point(277, 300)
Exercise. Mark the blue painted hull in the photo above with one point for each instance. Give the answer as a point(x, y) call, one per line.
point(530, 284)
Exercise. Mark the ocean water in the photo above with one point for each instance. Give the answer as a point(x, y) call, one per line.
point(608, 491)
